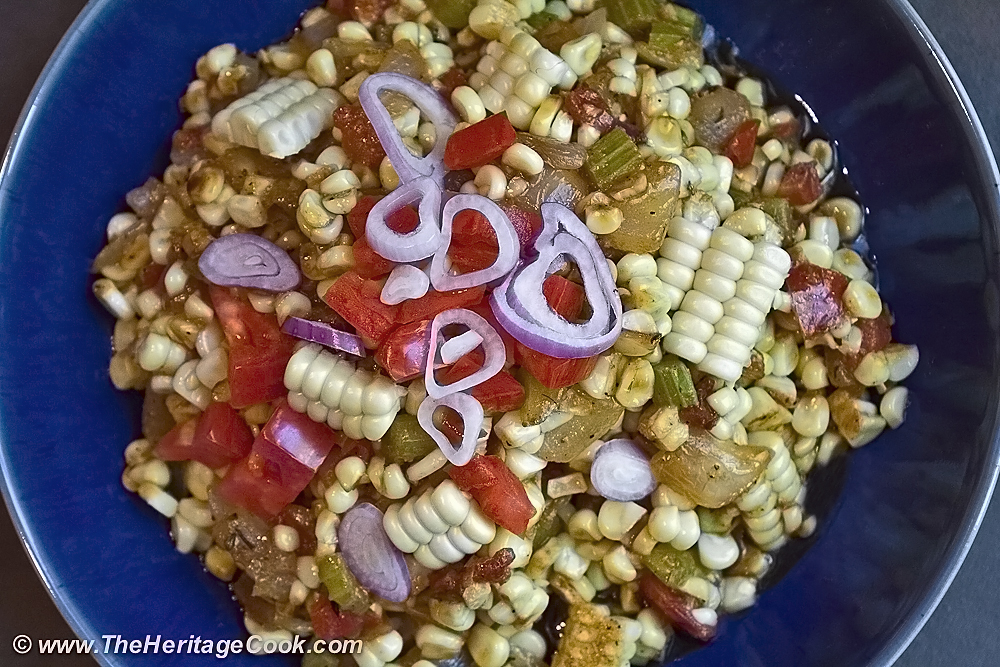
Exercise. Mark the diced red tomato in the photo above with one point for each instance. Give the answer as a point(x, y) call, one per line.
point(403, 220)
point(553, 372)
point(451, 80)
point(474, 243)
point(480, 143)
point(701, 415)
point(565, 296)
point(434, 302)
point(282, 462)
point(329, 624)
point(357, 219)
point(359, 139)
point(817, 297)
point(787, 130)
point(403, 355)
point(742, 144)
point(675, 607)
point(800, 185)
point(152, 276)
point(451, 424)
point(358, 302)
point(222, 436)
point(367, 263)
point(587, 107)
point(500, 393)
point(498, 491)
point(876, 334)
point(258, 350)
point(176, 445)
point(527, 224)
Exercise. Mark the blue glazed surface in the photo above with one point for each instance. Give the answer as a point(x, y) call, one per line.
point(98, 126)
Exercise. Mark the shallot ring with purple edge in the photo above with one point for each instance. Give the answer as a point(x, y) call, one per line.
point(247, 260)
point(621, 471)
point(423, 241)
point(472, 420)
point(507, 255)
point(408, 167)
point(324, 334)
point(371, 556)
point(521, 308)
point(496, 353)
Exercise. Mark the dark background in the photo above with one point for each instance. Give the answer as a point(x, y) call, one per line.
point(963, 630)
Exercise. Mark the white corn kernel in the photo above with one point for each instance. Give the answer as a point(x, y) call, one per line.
point(893, 406)
point(617, 518)
point(618, 566)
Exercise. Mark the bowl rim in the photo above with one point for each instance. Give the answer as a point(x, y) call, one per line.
point(988, 174)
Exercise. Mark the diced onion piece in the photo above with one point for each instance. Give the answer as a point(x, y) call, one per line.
point(507, 255)
point(247, 260)
point(433, 106)
point(472, 419)
point(324, 334)
point(522, 309)
point(371, 556)
point(496, 353)
point(621, 471)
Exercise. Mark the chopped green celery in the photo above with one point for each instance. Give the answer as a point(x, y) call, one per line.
point(717, 521)
point(674, 567)
point(742, 199)
point(549, 524)
point(539, 400)
point(673, 384)
point(779, 209)
point(406, 440)
point(634, 15)
point(343, 588)
point(541, 19)
point(452, 13)
point(612, 158)
point(671, 51)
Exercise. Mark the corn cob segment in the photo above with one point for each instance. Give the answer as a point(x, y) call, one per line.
point(280, 118)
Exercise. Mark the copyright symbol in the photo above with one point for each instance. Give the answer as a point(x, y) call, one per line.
point(22, 644)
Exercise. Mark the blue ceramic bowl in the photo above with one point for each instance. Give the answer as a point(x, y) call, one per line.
point(97, 125)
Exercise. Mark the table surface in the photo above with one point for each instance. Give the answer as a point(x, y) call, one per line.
point(961, 633)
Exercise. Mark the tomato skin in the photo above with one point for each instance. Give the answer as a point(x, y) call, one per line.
point(741, 146)
point(403, 221)
point(258, 350)
point(800, 185)
point(500, 393)
point(329, 624)
point(358, 302)
point(357, 219)
point(480, 143)
point(176, 445)
point(434, 302)
point(403, 355)
point(451, 80)
point(367, 263)
point(499, 493)
point(359, 139)
point(221, 437)
point(527, 224)
point(674, 607)
point(553, 372)
point(282, 461)
point(564, 296)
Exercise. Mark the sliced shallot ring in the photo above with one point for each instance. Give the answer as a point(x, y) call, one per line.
point(472, 421)
point(429, 101)
point(496, 353)
point(521, 308)
point(423, 241)
point(371, 556)
point(507, 256)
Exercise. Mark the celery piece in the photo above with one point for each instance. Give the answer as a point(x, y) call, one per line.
point(674, 567)
point(673, 385)
point(343, 588)
point(406, 440)
point(779, 209)
point(684, 52)
point(541, 19)
point(612, 158)
point(452, 13)
point(634, 15)
point(717, 521)
point(549, 524)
